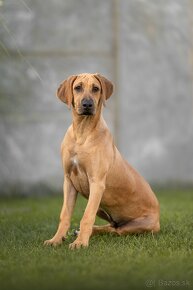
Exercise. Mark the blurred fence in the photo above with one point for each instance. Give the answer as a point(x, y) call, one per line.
point(144, 46)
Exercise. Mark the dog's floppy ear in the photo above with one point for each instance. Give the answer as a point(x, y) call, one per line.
point(106, 86)
point(64, 92)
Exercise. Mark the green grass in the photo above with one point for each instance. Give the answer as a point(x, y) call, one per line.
point(110, 262)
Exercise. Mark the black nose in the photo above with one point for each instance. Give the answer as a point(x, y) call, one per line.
point(87, 103)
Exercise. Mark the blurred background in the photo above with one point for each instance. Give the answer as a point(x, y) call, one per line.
point(144, 46)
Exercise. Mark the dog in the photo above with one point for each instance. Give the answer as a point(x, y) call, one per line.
point(94, 167)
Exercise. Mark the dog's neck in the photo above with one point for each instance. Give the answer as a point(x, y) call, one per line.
point(84, 125)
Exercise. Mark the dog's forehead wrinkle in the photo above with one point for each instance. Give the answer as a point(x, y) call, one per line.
point(87, 79)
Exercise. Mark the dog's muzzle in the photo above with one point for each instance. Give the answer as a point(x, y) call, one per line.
point(87, 106)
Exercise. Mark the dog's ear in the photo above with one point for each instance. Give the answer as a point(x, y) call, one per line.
point(64, 92)
point(106, 86)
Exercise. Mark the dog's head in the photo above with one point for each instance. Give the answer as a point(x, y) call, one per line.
point(85, 92)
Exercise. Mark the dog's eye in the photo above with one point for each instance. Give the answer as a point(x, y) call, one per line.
point(95, 89)
point(78, 88)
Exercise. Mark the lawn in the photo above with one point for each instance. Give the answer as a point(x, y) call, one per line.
point(162, 261)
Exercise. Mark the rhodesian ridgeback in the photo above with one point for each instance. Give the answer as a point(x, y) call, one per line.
point(94, 167)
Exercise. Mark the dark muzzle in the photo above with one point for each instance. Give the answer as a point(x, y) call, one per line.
point(87, 106)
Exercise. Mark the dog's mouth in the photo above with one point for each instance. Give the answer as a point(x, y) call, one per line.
point(87, 113)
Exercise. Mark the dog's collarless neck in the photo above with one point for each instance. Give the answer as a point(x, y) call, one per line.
point(85, 126)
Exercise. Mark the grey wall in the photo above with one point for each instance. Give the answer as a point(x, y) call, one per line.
point(144, 46)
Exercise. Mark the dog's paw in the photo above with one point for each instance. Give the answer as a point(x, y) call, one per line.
point(77, 244)
point(54, 242)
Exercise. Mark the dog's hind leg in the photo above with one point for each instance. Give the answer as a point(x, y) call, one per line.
point(109, 228)
point(140, 225)
point(103, 229)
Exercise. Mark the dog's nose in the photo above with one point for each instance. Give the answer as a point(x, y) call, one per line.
point(87, 103)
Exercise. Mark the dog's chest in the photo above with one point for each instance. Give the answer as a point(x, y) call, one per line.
point(75, 164)
point(79, 176)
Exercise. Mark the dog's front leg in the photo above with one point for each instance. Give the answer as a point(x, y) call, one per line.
point(70, 195)
point(96, 191)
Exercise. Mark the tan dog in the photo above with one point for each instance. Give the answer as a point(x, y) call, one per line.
point(94, 167)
